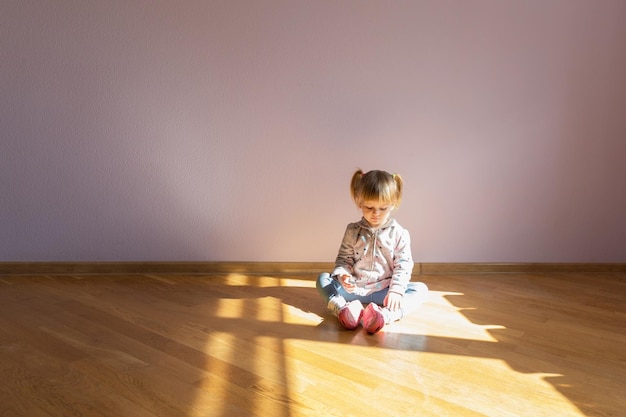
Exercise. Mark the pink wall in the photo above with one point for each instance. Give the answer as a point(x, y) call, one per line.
point(141, 130)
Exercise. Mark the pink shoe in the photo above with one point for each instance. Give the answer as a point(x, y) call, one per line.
point(373, 319)
point(350, 315)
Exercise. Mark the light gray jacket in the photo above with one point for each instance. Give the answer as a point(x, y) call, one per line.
point(378, 258)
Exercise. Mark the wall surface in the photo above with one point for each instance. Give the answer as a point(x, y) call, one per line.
point(228, 130)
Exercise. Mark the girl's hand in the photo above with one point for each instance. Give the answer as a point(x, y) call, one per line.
point(393, 301)
point(347, 281)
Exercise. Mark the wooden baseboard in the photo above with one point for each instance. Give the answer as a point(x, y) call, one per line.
point(425, 268)
point(438, 268)
point(87, 268)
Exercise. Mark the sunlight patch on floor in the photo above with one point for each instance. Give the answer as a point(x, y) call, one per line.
point(294, 315)
point(266, 281)
point(436, 377)
point(268, 361)
point(267, 309)
point(216, 371)
point(439, 306)
point(437, 345)
point(230, 308)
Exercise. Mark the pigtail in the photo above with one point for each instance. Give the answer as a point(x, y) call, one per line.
point(399, 183)
point(354, 183)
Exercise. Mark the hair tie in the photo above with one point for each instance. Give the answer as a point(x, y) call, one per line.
point(394, 176)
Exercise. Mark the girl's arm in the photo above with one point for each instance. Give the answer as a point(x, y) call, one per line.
point(402, 264)
point(344, 263)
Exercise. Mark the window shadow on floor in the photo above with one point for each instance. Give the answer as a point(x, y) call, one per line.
point(572, 339)
point(224, 345)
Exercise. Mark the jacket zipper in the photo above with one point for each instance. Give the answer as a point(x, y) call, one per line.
point(375, 233)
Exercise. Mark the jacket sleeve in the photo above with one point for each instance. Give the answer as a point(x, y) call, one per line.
point(344, 263)
point(402, 264)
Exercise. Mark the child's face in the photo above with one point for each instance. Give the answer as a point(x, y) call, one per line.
point(375, 212)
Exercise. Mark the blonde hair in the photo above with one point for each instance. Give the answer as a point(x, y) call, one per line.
point(376, 185)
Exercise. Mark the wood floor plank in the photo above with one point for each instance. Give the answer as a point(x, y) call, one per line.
point(238, 344)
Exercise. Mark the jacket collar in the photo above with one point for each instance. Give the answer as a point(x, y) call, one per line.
point(365, 225)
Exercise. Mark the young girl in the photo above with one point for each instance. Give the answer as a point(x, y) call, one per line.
point(374, 262)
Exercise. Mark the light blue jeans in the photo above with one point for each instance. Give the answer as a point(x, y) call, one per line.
point(415, 294)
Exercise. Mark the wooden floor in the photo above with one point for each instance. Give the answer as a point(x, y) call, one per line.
point(244, 345)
